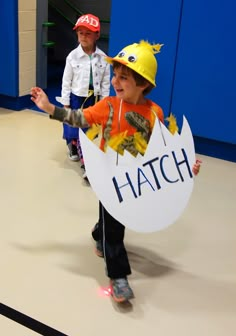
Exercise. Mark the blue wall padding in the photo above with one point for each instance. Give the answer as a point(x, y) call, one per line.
point(197, 67)
point(204, 85)
point(157, 22)
point(9, 68)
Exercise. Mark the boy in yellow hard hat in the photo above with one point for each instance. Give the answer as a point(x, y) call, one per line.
point(129, 113)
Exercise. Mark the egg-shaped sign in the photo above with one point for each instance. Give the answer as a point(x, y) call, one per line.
point(145, 193)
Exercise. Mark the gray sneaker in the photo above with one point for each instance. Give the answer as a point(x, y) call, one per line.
point(120, 290)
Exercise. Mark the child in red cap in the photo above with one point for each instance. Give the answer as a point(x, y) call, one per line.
point(86, 78)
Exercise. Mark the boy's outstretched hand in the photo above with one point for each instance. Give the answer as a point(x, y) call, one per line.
point(39, 97)
point(196, 167)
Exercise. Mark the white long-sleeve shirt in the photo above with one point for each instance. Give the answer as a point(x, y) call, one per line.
point(76, 76)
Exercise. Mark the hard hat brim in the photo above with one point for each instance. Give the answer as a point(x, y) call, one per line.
point(110, 60)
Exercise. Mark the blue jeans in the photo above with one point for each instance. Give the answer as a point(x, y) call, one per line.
point(72, 133)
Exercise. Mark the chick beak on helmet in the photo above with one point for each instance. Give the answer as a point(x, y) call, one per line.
point(111, 59)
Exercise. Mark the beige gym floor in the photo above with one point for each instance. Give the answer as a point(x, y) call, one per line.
point(184, 277)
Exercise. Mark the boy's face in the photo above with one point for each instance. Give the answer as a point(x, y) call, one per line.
point(125, 86)
point(87, 38)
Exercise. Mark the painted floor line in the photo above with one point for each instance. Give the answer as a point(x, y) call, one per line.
point(29, 322)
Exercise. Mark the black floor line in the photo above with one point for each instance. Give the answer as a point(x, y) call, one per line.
point(29, 322)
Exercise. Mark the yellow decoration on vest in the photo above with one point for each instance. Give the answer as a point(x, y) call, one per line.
point(172, 126)
point(116, 141)
point(140, 143)
point(93, 131)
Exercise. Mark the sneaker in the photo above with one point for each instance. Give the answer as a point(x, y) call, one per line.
point(73, 153)
point(99, 249)
point(85, 177)
point(120, 290)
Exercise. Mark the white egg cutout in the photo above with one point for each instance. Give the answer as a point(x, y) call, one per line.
point(145, 193)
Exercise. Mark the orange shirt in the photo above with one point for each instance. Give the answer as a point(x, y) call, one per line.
point(110, 114)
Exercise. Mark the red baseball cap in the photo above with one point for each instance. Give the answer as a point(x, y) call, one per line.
point(88, 21)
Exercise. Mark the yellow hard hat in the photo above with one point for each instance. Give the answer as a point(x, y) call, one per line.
point(140, 58)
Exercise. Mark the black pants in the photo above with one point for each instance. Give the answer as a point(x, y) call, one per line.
point(111, 233)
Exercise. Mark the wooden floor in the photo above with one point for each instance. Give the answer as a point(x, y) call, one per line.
point(184, 277)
